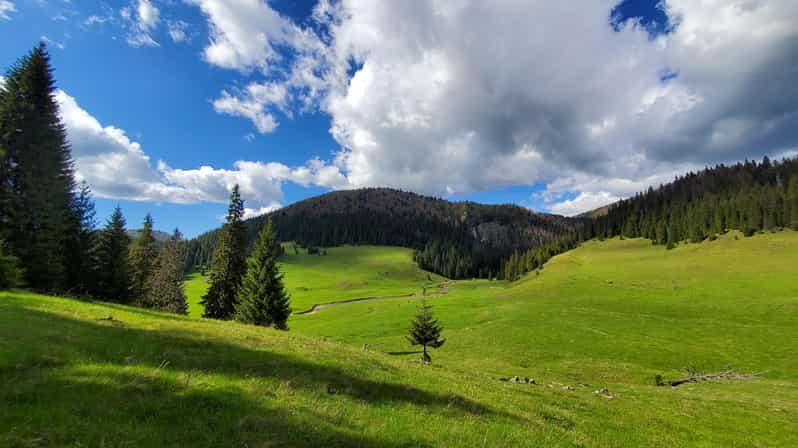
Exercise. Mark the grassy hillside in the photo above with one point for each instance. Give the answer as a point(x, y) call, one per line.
point(346, 272)
point(731, 301)
point(610, 314)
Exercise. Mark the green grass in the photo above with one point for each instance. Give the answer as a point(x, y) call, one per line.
point(195, 287)
point(346, 272)
point(608, 314)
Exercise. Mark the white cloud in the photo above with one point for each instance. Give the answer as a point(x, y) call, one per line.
point(583, 202)
point(96, 19)
point(177, 30)
point(244, 33)
point(6, 7)
point(140, 19)
point(117, 167)
point(251, 213)
point(148, 15)
point(253, 103)
point(53, 43)
point(452, 97)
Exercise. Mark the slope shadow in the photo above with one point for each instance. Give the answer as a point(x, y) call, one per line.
point(154, 407)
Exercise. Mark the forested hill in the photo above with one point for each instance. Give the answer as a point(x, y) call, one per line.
point(455, 239)
point(749, 196)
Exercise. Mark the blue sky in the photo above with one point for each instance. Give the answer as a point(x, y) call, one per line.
point(378, 114)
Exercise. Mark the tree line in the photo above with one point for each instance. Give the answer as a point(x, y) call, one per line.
point(49, 239)
point(750, 197)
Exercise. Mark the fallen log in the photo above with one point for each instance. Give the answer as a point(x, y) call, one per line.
point(725, 375)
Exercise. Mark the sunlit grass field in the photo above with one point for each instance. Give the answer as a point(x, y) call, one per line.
point(346, 272)
point(609, 314)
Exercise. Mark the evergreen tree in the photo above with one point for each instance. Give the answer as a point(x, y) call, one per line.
point(229, 262)
point(36, 171)
point(425, 330)
point(143, 254)
point(262, 299)
point(166, 288)
point(112, 260)
point(81, 242)
point(792, 200)
point(10, 273)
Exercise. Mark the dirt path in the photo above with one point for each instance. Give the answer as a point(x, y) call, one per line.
point(321, 306)
point(441, 289)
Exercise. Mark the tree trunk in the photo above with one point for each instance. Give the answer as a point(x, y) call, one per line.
point(426, 357)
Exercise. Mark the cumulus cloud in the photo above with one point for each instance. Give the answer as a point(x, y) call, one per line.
point(453, 97)
point(6, 7)
point(244, 34)
point(117, 167)
point(254, 103)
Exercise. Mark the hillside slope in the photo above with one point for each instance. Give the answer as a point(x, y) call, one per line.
point(484, 235)
point(609, 314)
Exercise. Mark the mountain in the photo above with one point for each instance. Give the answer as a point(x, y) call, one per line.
point(455, 239)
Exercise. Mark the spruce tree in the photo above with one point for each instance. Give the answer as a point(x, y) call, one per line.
point(792, 200)
point(143, 254)
point(166, 288)
point(112, 260)
point(81, 242)
point(36, 171)
point(10, 273)
point(229, 262)
point(425, 330)
point(262, 299)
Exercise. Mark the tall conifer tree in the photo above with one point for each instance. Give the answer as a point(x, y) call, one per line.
point(36, 171)
point(112, 260)
point(143, 253)
point(166, 289)
point(229, 262)
point(262, 299)
point(81, 242)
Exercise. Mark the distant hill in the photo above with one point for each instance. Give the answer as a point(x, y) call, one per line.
point(458, 239)
point(159, 235)
point(595, 213)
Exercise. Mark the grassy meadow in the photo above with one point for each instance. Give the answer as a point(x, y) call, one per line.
point(346, 272)
point(610, 314)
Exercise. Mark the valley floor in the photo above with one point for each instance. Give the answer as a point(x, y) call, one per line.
point(610, 314)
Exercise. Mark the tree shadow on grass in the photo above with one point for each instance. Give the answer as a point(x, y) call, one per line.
point(124, 405)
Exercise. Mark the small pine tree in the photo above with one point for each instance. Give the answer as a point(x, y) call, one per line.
point(425, 330)
point(229, 263)
point(166, 287)
point(112, 260)
point(143, 254)
point(262, 299)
